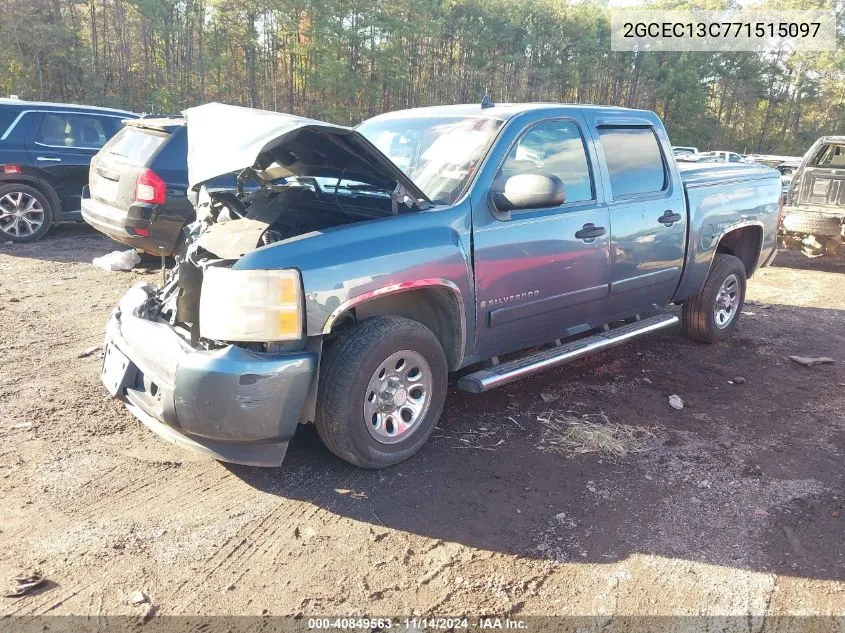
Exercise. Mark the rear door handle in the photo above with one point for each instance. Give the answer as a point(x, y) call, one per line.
point(48, 159)
point(590, 232)
point(669, 218)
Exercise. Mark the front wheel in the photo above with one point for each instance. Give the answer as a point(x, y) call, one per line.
point(712, 314)
point(382, 388)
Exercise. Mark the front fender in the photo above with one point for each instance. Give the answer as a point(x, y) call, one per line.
point(346, 265)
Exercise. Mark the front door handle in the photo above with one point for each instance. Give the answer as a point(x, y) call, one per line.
point(48, 159)
point(669, 218)
point(590, 232)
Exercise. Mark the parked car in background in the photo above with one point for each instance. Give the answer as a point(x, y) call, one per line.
point(770, 160)
point(787, 170)
point(728, 157)
point(45, 152)
point(138, 187)
point(346, 288)
point(681, 150)
point(814, 214)
point(697, 158)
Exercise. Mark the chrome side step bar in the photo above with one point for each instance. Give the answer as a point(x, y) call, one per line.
point(501, 374)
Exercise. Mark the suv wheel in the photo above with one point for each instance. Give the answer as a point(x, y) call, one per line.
point(712, 314)
point(25, 213)
point(382, 388)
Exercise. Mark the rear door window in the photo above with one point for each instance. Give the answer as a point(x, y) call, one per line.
point(135, 146)
point(82, 131)
point(634, 161)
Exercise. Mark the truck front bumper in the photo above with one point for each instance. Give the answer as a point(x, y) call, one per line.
point(232, 404)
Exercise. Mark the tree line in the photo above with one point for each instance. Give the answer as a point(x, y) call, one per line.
point(346, 60)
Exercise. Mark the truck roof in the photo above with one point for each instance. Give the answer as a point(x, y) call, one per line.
point(502, 111)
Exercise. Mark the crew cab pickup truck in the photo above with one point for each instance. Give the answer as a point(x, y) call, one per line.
point(369, 265)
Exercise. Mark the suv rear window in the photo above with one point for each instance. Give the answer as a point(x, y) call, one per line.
point(634, 160)
point(135, 145)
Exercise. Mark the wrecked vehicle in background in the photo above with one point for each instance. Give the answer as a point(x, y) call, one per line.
point(814, 214)
point(369, 264)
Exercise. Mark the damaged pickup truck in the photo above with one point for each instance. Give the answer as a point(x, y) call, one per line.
point(355, 270)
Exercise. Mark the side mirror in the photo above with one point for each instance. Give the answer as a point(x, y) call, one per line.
point(527, 191)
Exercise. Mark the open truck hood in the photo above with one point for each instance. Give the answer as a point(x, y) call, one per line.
point(223, 139)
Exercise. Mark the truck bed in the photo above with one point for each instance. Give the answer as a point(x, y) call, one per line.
point(698, 175)
point(722, 197)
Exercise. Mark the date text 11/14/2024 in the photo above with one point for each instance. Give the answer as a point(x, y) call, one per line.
point(418, 623)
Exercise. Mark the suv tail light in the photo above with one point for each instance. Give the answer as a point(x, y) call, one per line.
point(150, 188)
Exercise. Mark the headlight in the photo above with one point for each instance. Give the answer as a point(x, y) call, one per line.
point(251, 305)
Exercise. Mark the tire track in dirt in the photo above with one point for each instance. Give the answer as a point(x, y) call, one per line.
point(163, 493)
point(254, 540)
point(240, 546)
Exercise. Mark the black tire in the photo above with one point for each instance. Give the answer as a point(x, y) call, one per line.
point(812, 223)
point(8, 194)
point(699, 311)
point(346, 370)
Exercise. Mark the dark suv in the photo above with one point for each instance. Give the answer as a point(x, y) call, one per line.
point(45, 151)
point(138, 185)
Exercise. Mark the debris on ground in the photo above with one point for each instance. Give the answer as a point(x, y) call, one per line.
point(139, 597)
point(22, 585)
point(117, 260)
point(809, 361)
point(89, 352)
point(675, 402)
point(549, 396)
point(592, 433)
point(737, 380)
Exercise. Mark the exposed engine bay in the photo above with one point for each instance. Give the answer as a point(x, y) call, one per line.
point(230, 224)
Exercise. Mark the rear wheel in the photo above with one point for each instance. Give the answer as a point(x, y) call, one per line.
point(25, 213)
point(712, 314)
point(382, 388)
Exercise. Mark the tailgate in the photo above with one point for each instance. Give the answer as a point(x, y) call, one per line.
point(114, 170)
point(822, 187)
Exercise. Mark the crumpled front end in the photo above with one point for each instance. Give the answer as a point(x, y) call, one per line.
point(231, 403)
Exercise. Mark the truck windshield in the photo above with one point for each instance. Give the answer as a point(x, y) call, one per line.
point(440, 154)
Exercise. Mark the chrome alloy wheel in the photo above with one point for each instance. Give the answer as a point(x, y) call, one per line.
point(727, 302)
point(21, 215)
point(397, 397)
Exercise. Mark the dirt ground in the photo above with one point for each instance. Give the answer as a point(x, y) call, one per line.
point(737, 507)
